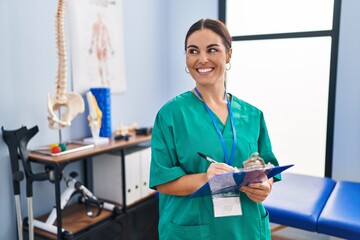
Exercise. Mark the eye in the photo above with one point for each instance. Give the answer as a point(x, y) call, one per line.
point(212, 50)
point(193, 51)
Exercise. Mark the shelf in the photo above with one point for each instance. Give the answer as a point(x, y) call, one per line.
point(74, 220)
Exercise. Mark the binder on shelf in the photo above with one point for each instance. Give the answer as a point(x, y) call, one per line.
point(133, 177)
point(232, 181)
point(107, 176)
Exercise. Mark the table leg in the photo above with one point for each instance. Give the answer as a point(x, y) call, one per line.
point(123, 179)
point(58, 175)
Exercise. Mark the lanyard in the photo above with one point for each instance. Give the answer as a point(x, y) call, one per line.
point(228, 161)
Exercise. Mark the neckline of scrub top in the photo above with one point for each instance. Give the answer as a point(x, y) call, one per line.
point(229, 161)
point(224, 126)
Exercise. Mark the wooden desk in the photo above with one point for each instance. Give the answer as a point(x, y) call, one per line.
point(98, 149)
point(58, 163)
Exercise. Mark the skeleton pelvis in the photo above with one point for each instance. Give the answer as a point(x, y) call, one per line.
point(67, 110)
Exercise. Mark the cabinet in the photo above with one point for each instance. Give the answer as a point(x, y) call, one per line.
point(113, 162)
point(107, 176)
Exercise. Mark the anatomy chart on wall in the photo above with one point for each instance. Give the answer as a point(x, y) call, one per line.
point(97, 45)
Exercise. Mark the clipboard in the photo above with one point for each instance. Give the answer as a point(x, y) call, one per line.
point(232, 181)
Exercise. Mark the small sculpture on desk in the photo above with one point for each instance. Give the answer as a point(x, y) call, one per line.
point(124, 132)
point(94, 118)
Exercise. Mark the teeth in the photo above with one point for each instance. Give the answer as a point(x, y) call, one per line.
point(204, 70)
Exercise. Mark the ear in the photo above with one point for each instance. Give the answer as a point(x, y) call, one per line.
point(228, 57)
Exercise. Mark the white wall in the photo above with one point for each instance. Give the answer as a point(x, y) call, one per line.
point(346, 154)
point(181, 15)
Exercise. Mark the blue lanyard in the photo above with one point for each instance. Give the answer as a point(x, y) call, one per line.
point(228, 161)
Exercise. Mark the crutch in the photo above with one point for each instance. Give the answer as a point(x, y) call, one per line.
point(11, 138)
point(17, 141)
point(30, 176)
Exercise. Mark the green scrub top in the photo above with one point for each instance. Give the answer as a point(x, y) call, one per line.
point(182, 128)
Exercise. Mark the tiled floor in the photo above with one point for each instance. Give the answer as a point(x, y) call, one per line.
point(289, 233)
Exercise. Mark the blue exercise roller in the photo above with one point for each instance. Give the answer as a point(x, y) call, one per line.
point(103, 98)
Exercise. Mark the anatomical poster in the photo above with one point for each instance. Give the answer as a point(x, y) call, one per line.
point(97, 51)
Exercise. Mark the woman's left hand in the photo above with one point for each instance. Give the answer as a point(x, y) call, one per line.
point(258, 192)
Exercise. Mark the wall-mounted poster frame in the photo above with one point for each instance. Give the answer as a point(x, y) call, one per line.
point(97, 45)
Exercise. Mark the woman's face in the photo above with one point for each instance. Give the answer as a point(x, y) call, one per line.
point(206, 57)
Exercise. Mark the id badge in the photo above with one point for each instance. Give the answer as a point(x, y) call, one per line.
point(227, 205)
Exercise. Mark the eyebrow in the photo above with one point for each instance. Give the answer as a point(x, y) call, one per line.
point(192, 46)
point(213, 45)
point(209, 46)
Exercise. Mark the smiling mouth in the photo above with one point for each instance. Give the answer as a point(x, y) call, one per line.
point(205, 70)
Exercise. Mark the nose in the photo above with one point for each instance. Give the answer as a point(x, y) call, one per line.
point(203, 58)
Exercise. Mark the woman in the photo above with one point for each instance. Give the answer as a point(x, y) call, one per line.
point(209, 120)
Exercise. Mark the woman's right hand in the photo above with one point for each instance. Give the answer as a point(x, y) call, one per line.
point(218, 168)
point(188, 184)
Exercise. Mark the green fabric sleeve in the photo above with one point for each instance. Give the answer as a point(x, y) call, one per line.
point(164, 164)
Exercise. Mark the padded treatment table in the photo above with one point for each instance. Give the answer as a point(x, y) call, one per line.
point(341, 214)
point(298, 200)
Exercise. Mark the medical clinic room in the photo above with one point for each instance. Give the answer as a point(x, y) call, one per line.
point(180, 120)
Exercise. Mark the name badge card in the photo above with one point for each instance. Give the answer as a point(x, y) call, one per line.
point(225, 205)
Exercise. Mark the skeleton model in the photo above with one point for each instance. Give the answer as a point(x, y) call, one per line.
point(70, 104)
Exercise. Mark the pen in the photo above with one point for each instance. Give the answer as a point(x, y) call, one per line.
point(207, 158)
point(213, 161)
